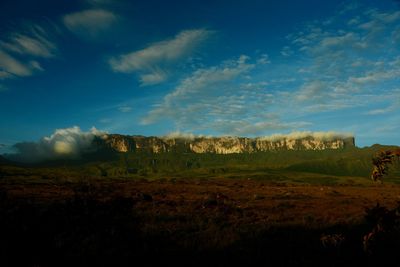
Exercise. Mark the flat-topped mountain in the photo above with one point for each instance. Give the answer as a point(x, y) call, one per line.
point(220, 145)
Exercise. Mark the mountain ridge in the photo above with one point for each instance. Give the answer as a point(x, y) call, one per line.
point(217, 145)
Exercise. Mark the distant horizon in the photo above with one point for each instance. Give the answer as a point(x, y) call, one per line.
point(214, 68)
point(74, 136)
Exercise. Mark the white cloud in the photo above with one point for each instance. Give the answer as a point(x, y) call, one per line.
point(156, 77)
point(221, 99)
point(203, 84)
point(152, 61)
point(375, 77)
point(396, 36)
point(11, 67)
point(378, 111)
point(181, 135)
point(346, 39)
point(264, 59)
point(387, 17)
point(323, 136)
point(348, 6)
point(89, 22)
point(36, 45)
point(286, 51)
point(19, 52)
point(125, 109)
point(311, 91)
point(63, 143)
point(345, 68)
point(354, 21)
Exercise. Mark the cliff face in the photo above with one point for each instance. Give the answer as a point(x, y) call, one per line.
point(217, 145)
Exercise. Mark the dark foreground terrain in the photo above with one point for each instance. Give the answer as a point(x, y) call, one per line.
point(196, 222)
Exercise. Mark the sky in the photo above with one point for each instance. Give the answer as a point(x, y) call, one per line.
point(244, 68)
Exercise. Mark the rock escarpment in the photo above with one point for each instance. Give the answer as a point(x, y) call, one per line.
point(218, 145)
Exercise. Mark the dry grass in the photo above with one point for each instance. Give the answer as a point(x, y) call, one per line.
point(243, 218)
point(248, 201)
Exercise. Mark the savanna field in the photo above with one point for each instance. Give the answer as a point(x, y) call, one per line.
point(218, 213)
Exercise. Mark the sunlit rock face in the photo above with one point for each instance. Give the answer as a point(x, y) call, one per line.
point(222, 145)
point(120, 143)
point(303, 144)
point(217, 145)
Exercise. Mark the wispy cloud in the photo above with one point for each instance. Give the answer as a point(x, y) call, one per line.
point(346, 63)
point(20, 52)
point(11, 67)
point(199, 86)
point(286, 51)
point(221, 99)
point(379, 111)
point(152, 63)
point(91, 22)
point(313, 90)
point(36, 44)
point(125, 109)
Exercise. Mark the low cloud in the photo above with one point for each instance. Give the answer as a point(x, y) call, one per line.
point(323, 136)
point(89, 22)
point(151, 62)
point(68, 143)
point(246, 128)
point(180, 135)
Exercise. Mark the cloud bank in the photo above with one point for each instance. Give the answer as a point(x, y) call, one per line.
point(322, 136)
point(184, 135)
point(68, 143)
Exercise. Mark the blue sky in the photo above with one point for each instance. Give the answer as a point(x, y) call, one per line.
point(246, 68)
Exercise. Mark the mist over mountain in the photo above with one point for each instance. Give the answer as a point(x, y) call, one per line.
point(68, 143)
point(73, 143)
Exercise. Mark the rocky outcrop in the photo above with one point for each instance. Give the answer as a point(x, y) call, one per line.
point(217, 145)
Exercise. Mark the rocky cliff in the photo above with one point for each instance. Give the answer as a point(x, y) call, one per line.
point(218, 145)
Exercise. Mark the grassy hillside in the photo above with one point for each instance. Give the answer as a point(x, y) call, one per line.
point(324, 166)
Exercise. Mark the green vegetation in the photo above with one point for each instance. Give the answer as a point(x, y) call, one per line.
point(347, 166)
point(382, 161)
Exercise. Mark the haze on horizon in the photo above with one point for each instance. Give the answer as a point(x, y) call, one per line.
point(243, 68)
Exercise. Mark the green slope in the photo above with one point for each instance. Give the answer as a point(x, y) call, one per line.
point(322, 165)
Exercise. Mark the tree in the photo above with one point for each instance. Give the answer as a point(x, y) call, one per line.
point(381, 163)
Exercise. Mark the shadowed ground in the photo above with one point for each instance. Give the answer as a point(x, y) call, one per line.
point(216, 222)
